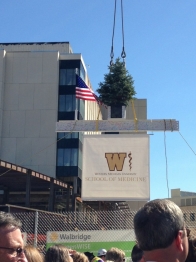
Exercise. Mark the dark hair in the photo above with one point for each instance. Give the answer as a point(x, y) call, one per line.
point(192, 249)
point(89, 255)
point(136, 254)
point(57, 253)
point(115, 254)
point(157, 224)
point(8, 220)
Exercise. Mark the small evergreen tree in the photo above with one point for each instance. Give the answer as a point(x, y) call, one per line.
point(117, 88)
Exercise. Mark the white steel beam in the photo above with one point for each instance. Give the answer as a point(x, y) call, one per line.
point(117, 125)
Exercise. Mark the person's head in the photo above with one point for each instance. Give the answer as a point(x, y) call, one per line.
point(115, 254)
point(160, 225)
point(89, 255)
point(57, 253)
point(11, 241)
point(102, 253)
point(192, 249)
point(157, 224)
point(79, 257)
point(136, 254)
point(32, 254)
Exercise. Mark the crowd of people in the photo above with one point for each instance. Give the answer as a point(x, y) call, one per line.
point(160, 230)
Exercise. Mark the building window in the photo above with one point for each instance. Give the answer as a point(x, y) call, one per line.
point(80, 159)
point(67, 157)
point(81, 107)
point(67, 135)
point(67, 103)
point(193, 201)
point(60, 157)
point(67, 77)
point(188, 202)
point(192, 216)
point(183, 203)
point(82, 72)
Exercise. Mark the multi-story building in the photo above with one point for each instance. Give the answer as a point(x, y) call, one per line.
point(183, 199)
point(187, 202)
point(37, 89)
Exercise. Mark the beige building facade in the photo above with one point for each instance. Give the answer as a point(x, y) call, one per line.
point(187, 202)
point(37, 89)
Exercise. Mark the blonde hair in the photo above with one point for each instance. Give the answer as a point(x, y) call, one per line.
point(57, 253)
point(79, 257)
point(32, 254)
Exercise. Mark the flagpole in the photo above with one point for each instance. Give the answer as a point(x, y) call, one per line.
point(76, 110)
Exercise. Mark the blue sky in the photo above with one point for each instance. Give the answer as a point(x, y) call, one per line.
point(160, 44)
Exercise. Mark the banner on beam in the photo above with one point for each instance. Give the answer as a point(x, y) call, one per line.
point(115, 167)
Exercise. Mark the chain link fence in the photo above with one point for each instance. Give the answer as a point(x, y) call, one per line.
point(43, 229)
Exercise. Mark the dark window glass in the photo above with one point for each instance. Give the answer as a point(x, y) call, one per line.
point(67, 77)
point(60, 157)
point(82, 72)
point(66, 171)
point(74, 157)
point(67, 157)
point(61, 103)
point(67, 103)
point(70, 102)
point(67, 135)
point(81, 107)
point(80, 159)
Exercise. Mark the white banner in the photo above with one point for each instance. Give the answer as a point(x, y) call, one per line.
point(116, 167)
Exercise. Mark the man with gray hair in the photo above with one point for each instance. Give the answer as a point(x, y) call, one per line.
point(160, 231)
point(11, 241)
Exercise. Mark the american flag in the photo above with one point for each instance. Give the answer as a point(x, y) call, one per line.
point(83, 91)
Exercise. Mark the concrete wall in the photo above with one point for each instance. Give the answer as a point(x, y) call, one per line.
point(140, 108)
point(63, 47)
point(30, 110)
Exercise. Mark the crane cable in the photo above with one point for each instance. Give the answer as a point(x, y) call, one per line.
point(123, 54)
point(112, 47)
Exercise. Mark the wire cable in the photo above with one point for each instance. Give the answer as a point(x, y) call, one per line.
point(112, 47)
point(123, 54)
point(187, 143)
point(166, 158)
point(166, 163)
point(166, 155)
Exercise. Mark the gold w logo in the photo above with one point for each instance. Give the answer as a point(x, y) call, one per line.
point(115, 160)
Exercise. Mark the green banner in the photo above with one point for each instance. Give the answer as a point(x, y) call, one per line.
point(92, 241)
